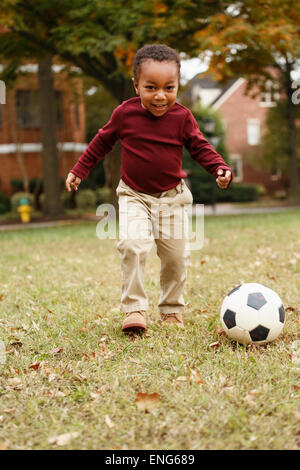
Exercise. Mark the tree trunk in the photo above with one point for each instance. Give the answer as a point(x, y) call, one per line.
point(291, 132)
point(19, 154)
point(112, 165)
point(53, 205)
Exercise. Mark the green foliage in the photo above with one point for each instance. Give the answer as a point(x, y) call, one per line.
point(67, 200)
point(86, 199)
point(5, 204)
point(275, 154)
point(16, 198)
point(103, 195)
point(207, 192)
point(36, 185)
point(203, 185)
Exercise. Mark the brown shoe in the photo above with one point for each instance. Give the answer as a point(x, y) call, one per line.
point(175, 318)
point(134, 321)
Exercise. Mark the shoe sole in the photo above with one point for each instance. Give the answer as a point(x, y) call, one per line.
point(135, 327)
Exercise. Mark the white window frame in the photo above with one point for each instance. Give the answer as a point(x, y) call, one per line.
point(253, 123)
point(238, 161)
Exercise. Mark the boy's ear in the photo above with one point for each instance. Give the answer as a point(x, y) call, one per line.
point(135, 84)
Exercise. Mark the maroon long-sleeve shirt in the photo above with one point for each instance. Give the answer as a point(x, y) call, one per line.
point(151, 146)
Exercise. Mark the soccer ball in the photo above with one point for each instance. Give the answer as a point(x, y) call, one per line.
point(252, 313)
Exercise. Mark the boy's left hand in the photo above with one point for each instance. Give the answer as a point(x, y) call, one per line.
point(223, 179)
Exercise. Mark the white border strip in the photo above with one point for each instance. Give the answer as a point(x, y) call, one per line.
point(38, 147)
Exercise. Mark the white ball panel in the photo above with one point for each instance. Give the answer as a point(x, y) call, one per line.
point(247, 318)
point(239, 335)
point(269, 315)
point(275, 332)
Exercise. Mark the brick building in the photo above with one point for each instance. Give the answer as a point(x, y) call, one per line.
point(20, 135)
point(244, 120)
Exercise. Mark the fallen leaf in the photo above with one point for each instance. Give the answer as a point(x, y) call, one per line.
point(222, 380)
point(215, 344)
point(147, 401)
point(63, 439)
point(16, 344)
point(51, 377)
point(55, 350)
point(249, 400)
point(15, 383)
point(295, 358)
point(290, 309)
point(35, 366)
point(220, 331)
point(109, 422)
point(80, 378)
point(195, 377)
point(181, 378)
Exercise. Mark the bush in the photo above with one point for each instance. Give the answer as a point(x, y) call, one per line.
point(17, 184)
point(68, 200)
point(4, 203)
point(16, 198)
point(204, 191)
point(103, 195)
point(86, 199)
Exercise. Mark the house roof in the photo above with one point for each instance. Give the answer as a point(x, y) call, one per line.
point(206, 83)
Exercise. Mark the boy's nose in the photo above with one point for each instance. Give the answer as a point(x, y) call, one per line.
point(160, 95)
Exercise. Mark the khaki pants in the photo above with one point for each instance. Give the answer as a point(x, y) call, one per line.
point(143, 219)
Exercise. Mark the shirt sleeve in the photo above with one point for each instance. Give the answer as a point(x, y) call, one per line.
point(100, 145)
point(200, 149)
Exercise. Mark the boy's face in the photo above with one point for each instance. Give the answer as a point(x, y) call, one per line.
point(157, 85)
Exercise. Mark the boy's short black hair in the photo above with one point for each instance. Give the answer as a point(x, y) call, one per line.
point(158, 52)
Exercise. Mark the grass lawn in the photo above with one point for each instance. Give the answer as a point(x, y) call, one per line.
point(71, 378)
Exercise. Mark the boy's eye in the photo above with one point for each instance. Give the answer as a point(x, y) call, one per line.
point(149, 87)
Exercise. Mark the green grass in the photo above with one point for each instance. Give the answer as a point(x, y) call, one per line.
point(60, 288)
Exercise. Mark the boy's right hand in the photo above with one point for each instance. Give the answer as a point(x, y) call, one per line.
point(72, 181)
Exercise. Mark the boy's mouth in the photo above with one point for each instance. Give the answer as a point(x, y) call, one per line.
point(159, 106)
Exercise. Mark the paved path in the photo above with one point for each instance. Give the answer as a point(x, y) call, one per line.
point(220, 209)
point(232, 209)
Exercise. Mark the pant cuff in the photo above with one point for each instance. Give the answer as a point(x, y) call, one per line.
point(168, 310)
point(133, 308)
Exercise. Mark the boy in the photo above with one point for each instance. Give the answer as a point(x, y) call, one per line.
point(153, 127)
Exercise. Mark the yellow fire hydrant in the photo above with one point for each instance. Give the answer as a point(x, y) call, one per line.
point(24, 210)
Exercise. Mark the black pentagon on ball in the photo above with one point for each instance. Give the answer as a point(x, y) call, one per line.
point(233, 290)
point(229, 319)
point(259, 333)
point(281, 314)
point(256, 300)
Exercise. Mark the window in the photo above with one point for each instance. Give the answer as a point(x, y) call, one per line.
point(253, 131)
point(28, 108)
point(1, 114)
point(270, 95)
point(236, 164)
